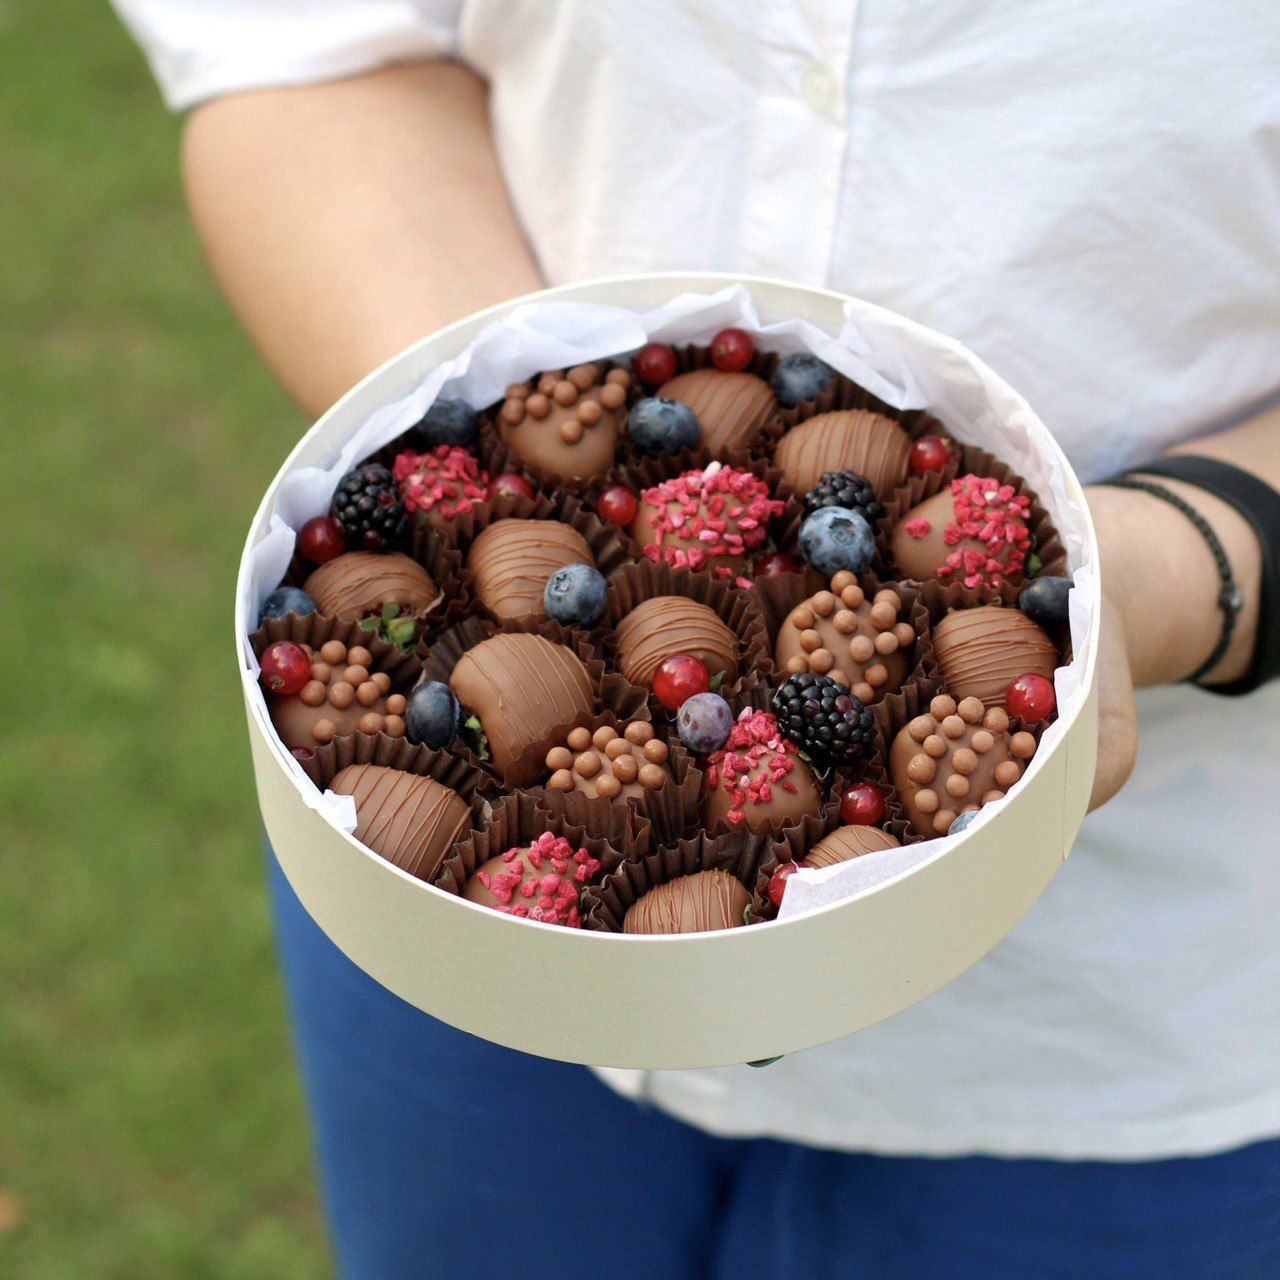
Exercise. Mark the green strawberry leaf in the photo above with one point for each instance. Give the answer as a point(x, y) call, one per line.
point(716, 681)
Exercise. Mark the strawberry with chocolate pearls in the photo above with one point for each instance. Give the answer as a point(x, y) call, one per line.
point(610, 763)
point(954, 758)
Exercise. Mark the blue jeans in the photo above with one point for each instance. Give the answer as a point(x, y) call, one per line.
point(446, 1157)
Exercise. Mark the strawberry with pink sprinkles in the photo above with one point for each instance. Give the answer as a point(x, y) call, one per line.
point(442, 483)
point(757, 778)
point(714, 519)
point(542, 882)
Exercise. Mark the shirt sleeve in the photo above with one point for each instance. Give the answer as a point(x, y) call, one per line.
point(201, 49)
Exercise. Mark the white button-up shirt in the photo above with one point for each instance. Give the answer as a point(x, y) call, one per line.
point(1088, 195)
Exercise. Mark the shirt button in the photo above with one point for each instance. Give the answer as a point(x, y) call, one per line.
point(820, 91)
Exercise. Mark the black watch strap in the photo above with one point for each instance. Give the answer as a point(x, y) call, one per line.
point(1259, 504)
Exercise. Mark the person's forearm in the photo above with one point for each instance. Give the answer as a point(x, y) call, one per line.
point(1160, 574)
point(346, 220)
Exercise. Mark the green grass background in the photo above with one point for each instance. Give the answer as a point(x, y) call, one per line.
point(150, 1121)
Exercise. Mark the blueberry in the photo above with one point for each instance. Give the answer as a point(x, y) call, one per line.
point(574, 595)
point(704, 722)
point(1044, 600)
point(800, 377)
point(285, 600)
point(448, 421)
point(433, 715)
point(835, 538)
point(961, 822)
point(657, 425)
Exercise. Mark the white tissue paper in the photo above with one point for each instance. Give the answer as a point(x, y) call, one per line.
point(888, 355)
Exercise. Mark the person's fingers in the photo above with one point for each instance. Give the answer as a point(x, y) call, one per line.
point(1117, 720)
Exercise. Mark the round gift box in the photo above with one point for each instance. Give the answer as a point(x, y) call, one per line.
point(691, 1000)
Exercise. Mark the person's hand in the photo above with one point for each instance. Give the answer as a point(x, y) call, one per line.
point(1117, 721)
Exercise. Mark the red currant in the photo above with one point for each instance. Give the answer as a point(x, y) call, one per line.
point(772, 565)
point(929, 453)
point(1031, 697)
point(618, 505)
point(862, 805)
point(655, 363)
point(679, 677)
point(321, 539)
point(732, 350)
point(778, 881)
point(285, 667)
point(509, 482)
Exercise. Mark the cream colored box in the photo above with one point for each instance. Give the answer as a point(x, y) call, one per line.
point(876, 936)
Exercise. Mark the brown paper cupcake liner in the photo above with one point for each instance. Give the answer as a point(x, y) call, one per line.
point(633, 584)
point(971, 461)
point(611, 692)
point(670, 812)
point(793, 844)
point(899, 709)
point(924, 662)
point(315, 630)
point(516, 821)
point(497, 457)
point(739, 853)
point(609, 546)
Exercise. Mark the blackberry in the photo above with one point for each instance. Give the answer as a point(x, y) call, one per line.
point(367, 505)
point(844, 489)
point(823, 719)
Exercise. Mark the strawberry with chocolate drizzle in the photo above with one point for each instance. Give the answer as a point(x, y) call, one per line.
point(715, 519)
point(972, 533)
point(757, 778)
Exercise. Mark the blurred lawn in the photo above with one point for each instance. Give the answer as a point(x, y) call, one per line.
point(150, 1123)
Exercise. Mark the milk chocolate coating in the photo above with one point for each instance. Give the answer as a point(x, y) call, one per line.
point(358, 583)
point(731, 408)
point(955, 758)
point(522, 687)
point(690, 904)
point(757, 777)
point(663, 625)
point(331, 705)
point(411, 821)
point(864, 643)
point(567, 425)
point(848, 842)
point(847, 440)
point(982, 651)
point(602, 761)
point(542, 881)
point(511, 561)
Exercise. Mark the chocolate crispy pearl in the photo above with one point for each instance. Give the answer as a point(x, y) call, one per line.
point(757, 777)
point(358, 583)
point(409, 820)
point(972, 532)
point(690, 904)
point(567, 426)
point(848, 842)
point(521, 686)
point(658, 627)
point(982, 651)
point(625, 765)
point(847, 440)
point(953, 759)
point(864, 644)
point(342, 697)
point(731, 408)
point(511, 561)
